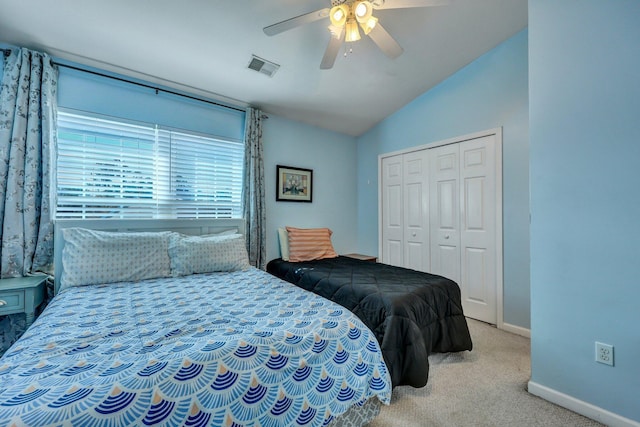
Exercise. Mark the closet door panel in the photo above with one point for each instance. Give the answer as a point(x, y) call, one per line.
point(478, 228)
point(445, 211)
point(392, 211)
point(416, 210)
point(474, 275)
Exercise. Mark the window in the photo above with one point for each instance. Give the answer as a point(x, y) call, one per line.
point(115, 169)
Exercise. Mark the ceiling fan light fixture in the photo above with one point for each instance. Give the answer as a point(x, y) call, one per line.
point(369, 25)
point(338, 15)
point(363, 10)
point(353, 34)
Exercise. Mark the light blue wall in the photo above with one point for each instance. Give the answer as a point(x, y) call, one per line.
point(332, 156)
point(585, 198)
point(490, 92)
point(83, 91)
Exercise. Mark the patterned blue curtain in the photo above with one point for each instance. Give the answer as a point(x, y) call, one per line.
point(253, 190)
point(27, 123)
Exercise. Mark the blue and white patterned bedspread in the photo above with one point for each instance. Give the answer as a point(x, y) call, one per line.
point(229, 349)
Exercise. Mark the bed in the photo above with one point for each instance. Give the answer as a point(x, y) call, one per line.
point(231, 348)
point(412, 314)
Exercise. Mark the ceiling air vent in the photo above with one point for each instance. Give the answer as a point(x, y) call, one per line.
point(263, 66)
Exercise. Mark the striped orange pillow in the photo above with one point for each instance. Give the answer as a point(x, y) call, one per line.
point(307, 244)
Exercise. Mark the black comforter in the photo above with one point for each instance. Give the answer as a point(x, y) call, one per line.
point(412, 314)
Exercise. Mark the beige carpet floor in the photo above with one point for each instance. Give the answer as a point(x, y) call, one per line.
point(484, 387)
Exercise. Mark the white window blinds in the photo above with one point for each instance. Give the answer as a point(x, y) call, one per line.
point(113, 169)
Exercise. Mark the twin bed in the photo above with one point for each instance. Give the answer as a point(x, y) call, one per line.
point(412, 314)
point(199, 338)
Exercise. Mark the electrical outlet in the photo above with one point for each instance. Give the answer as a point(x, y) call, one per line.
point(604, 353)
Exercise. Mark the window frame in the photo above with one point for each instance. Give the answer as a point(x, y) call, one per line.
point(168, 202)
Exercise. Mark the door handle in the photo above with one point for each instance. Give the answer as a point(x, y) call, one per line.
point(446, 237)
point(2, 302)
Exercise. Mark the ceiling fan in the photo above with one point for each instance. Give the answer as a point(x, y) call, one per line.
point(346, 17)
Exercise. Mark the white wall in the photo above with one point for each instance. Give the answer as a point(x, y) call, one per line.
point(584, 69)
point(490, 92)
point(332, 156)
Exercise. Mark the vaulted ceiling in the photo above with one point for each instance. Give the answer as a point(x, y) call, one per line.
point(205, 46)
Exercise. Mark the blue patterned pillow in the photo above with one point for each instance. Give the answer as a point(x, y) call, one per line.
point(205, 254)
point(95, 257)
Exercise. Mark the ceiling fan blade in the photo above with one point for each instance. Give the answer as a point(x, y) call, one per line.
point(385, 42)
point(405, 4)
point(331, 53)
point(291, 23)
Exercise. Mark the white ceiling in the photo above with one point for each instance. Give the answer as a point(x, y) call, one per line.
point(204, 46)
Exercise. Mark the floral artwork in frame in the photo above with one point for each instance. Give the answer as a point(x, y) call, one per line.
point(293, 184)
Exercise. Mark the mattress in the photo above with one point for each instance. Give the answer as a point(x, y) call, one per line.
point(412, 314)
point(240, 348)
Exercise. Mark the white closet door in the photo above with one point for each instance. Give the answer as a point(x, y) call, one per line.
point(392, 211)
point(445, 211)
point(416, 210)
point(478, 228)
point(442, 213)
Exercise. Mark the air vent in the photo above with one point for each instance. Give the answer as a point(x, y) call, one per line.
point(263, 66)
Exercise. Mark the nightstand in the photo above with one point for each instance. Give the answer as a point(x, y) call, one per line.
point(362, 257)
point(22, 295)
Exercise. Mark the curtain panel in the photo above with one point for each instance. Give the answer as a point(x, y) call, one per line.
point(27, 132)
point(253, 190)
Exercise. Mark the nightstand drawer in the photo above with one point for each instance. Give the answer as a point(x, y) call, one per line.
point(11, 302)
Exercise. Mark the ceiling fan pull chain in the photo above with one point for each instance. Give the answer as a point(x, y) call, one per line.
point(347, 51)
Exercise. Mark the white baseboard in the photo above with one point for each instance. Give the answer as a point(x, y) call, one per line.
point(518, 330)
point(580, 407)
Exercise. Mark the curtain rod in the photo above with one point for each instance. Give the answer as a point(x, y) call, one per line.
point(157, 89)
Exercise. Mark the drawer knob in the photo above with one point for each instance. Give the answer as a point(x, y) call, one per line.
point(2, 302)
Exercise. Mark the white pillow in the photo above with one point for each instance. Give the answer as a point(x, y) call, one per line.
point(205, 254)
point(227, 232)
point(283, 237)
point(95, 257)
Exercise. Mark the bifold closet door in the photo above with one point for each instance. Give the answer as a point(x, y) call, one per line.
point(440, 213)
point(445, 211)
point(415, 167)
point(478, 228)
point(463, 222)
point(392, 211)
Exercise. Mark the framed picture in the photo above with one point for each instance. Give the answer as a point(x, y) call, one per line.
point(294, 184)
